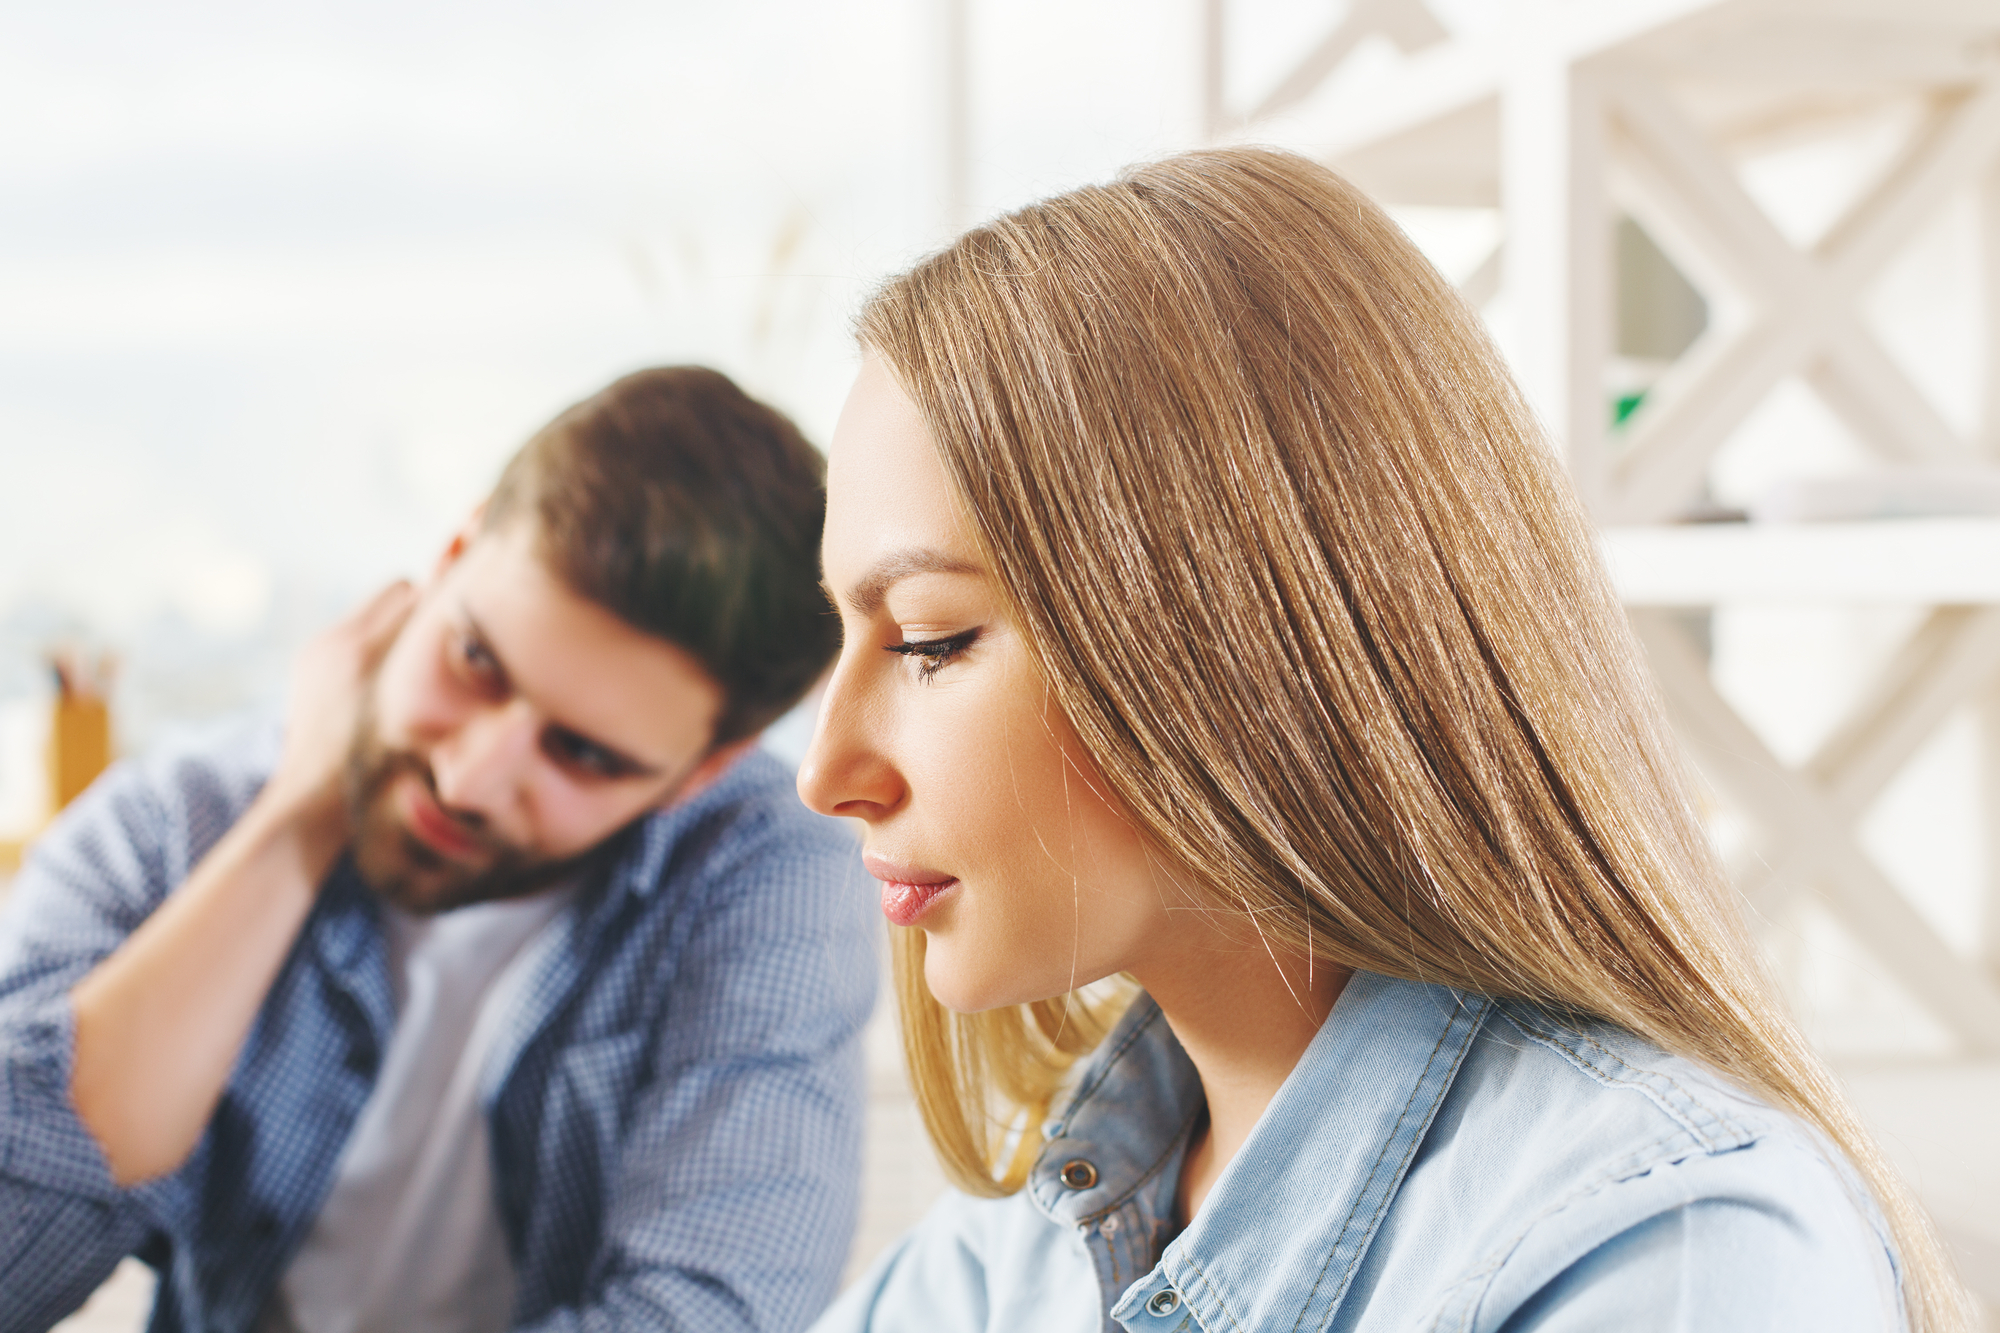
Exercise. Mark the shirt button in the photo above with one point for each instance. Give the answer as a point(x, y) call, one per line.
point(1078, 1174)
point(1164, 1302)
point(1109, 1226)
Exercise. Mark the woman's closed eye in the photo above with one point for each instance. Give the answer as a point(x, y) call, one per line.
point(933, 655)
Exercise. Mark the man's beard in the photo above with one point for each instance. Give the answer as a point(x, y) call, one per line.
point(405, 872)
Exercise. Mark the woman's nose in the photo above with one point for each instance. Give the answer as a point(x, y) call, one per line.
point(845, 771)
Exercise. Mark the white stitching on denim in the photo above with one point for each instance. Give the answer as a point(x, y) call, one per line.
point(1464, 1048)
point(1553, 1040)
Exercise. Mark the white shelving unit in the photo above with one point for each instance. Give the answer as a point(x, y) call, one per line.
point(1563, 116)
point(1564, 113)
point(1810, 813)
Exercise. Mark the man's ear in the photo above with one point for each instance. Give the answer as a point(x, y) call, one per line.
point(461, 540)
point(713, 765)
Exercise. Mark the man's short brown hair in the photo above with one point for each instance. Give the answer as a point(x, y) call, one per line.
point(692, 512)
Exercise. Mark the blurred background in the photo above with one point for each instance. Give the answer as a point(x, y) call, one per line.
point(281, 287)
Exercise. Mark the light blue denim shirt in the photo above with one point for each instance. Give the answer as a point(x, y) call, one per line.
point(1437, 1160)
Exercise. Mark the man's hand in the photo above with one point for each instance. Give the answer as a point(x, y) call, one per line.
point(328, 684)
point(160, 1023)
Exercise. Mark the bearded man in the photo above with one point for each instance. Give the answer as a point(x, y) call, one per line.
point(506, 985)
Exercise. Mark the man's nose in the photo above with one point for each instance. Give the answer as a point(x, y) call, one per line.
point(483, 767)
point(845, 770)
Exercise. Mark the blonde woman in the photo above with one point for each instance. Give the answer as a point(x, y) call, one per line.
point(1223, 644)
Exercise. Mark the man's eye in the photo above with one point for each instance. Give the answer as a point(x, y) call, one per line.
point(477, 658)
point(933, 655)
point(578, 752)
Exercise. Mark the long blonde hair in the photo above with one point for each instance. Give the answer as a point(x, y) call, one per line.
point(1299, 568)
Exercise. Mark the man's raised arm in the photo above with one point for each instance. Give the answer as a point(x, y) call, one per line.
point(160, 1022)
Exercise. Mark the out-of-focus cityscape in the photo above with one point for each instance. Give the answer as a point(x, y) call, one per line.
point(280, 290)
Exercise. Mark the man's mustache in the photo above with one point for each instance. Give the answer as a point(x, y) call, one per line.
point(372, 768)
point(510, 871)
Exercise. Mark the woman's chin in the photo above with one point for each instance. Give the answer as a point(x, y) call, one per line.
point(974, 991)
point(964, 992)
point(974, 1000)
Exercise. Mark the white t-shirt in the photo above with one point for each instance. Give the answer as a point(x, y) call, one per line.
point(409, 1240)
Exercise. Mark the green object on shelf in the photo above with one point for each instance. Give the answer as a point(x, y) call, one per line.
point(1625, 404)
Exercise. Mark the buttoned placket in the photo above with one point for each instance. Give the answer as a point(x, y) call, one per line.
point(1125, 1242)
point(1154, 1306)
point(1110, 1164)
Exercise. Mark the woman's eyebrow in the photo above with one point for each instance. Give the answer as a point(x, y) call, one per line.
point(866, 594)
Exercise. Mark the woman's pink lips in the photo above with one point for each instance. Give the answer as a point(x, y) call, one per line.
point(908, 891)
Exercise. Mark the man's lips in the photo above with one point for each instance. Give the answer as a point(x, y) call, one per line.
point(436, 829)
point(907, 891)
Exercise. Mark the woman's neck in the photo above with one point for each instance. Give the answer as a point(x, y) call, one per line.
point(1244, 1017)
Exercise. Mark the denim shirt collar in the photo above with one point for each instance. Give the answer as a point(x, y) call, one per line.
point(1283, 1231)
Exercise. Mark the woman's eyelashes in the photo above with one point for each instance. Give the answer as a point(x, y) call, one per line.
point(933, 655)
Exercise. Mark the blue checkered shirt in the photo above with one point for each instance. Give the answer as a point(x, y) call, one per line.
point(675, 1105)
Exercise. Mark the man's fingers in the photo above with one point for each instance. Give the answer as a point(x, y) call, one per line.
point(378, 621)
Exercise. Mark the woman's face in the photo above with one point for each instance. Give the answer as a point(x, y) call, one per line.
point(988, 826)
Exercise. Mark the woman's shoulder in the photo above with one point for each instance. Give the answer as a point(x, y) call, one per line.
point(1585, 1100)
point(1578, 1171)
point(1595, 1088)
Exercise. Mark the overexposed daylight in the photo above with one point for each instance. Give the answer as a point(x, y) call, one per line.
point(282, 288)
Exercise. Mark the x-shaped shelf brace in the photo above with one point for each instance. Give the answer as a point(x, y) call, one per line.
point(1808, 316)
point(1810, 815)
point(1409, 24)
